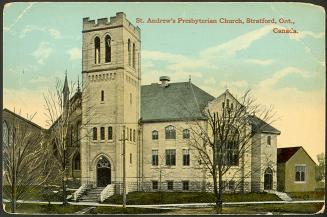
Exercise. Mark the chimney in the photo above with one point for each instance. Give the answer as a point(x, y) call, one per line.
point(164, 80)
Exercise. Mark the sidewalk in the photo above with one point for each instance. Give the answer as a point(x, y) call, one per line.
point(169, 206)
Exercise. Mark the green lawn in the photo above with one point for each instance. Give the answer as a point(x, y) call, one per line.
point(255, 209)
point(313, 195)
point(134, 198)
point(69, 209)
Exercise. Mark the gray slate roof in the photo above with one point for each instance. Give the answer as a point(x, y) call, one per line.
point(260, 126)
point(177, 101)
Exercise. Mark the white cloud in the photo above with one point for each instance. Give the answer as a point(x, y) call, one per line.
point(304, 34)
point(242, 42)
point(75, 53)
point(54, 33)
point(281, 74)
point(43, 52)
point(260, 61)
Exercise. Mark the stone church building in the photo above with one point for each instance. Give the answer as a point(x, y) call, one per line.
point(117, 118)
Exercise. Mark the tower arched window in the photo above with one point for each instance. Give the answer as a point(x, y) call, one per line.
point(129, 51)
point(77, 161)
point(133, 55)
point(96, 50)
point(102, 133)
point(108, 49)
point(170, 132)
point(95, 133)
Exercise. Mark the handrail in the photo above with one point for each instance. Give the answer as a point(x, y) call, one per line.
point(108, 191)
point(79, 192)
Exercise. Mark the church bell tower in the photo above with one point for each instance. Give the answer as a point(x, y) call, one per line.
point(111, 101)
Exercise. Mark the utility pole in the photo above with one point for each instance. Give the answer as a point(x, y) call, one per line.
point(124, 169)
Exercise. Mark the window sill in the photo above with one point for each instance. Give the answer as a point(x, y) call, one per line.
point(102, 102)
point(102, 141)
point(300, 182)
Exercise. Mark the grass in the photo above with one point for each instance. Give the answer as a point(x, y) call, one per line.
point(312, 195)
point(256, 209)
point(69, 209)
point(135, 198)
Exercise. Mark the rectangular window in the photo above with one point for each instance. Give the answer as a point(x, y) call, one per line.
point(130, 158)
point(155, 135)
point(102, 133)
point(154, 157)
point(95, 133)
point(186, 134)
point(170, 185)
point(154, 185)
point(130, 135)
point(133, 135)
point(186, 157)
point(268, 140)
point(102, 95)
point(185, 185)
point(170, 157)
point(300, 173)
point(109, 133)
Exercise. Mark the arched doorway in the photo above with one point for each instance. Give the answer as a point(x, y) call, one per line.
point(103, 172)
point(268, 179)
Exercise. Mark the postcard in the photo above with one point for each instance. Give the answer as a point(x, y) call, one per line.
point(163, 108)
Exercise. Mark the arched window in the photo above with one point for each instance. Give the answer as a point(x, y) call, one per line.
point(155, 135)
point(96, 50)
point(170, 132)
point(108, 49)
point(77, 162)
point(95, 133)
point(133, 135)
point(102, 95)
point(129, 51)
point(133, 55)
point(102, 133)
point(5, 135)
point(232, 148)
point(109, 133)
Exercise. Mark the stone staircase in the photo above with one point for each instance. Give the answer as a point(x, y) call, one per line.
point(281, 195)
point(91, 195)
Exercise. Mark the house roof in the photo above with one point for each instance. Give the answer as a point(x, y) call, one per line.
point(177, 101)
point(21, 118)
point(284, 154)
point(260, 126)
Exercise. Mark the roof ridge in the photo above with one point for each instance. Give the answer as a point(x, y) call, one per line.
point(21, 117)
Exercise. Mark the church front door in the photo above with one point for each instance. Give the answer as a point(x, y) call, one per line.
point(103, 172)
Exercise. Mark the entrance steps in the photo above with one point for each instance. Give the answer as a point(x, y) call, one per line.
point(281, 195)
point(92, 195)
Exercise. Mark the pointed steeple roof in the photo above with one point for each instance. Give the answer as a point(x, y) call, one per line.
point(66, 88)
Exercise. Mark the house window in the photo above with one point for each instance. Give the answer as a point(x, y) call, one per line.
point(170, 157)
point(102, 133)
point(186, 157)
point(170, 132)
point(133, 135)
point(95, 133)
point(268, 140)
point(130, 158)
point(227, 103)
point(108, 49)
point(154, 157)
point(76, 162)
point(109, 133)
point(96, 50)
point(155, 135)
point(154, 185)
point(170, 185)
point(300, 173)
point(231, 106)
point(102, 95)
point(186, 134)
point(223, 105)
point(185, 185)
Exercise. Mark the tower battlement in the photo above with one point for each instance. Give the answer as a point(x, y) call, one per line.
point(115, 21)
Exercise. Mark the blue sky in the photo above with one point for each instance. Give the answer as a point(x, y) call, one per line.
point(42, 40)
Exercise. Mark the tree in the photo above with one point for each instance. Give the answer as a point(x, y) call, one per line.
point(225, 136)
point(24, 159)
point(320, 169)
